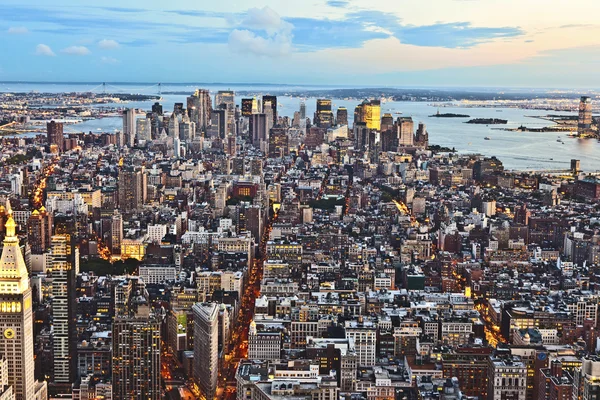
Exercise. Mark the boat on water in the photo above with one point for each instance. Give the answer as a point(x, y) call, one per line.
point(558, 140)
point(487, 138)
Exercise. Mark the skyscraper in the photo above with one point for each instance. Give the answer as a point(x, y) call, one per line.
point(248, 107)
point(136, 355)
point(206, 347)
point(116, 233)
point(323, 115)
point(55, 134)
point(226, 99)
point(405, 129)
point(16, 323)
point(64, 333)
point(272, 102)
point(36, 232)
point(129, 126)
point(219, 120)
point(585, 115)
point(342, 116)
point(387, 122)
point(369, 112)
point(131, 189)
point(258, 128)
point(199, 108)
point(278, 143)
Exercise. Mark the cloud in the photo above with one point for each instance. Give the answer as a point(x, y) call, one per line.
point(338, 3)
point(266, 34)
point(76, 51)
point(44, 50)
point(108, 44)
point(18, 30)
point(247, 42)
point(109, 60)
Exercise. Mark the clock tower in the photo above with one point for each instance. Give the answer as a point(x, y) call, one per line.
point(16, 318)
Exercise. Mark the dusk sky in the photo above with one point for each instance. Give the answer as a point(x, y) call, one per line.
point(530, 43)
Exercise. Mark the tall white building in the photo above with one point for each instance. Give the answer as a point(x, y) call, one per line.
point(16, 321)
point(206, 347)
point(365, 342)
point(129, 127)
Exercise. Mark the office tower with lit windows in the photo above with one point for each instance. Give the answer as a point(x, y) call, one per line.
point(278, 143)
point(584, 124)
point(136, 353)
point(272, 102)
point(37, 233)
point(16, 317)
point(341, 116)
point(116, 233)
point(55, 134)
point(63, 272)
point(132, 189)
point(206, 347)
point(249, 107)
point(323, 115)
point(129, 126)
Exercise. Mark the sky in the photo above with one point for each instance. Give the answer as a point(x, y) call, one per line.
point(493, 43)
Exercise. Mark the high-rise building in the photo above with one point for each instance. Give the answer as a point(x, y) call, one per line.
point(361, 135)
point(372, 114)
point(206, 347)
point(324, 115)
point(219, 118)
point(55, 134)
point(199, 108)
point(272, 102)
point(131, 189)
point(369, 112)
point(157, 108)
point(278, 143)
point(586, 380)
point(342, 116)
point(249, 106)
point(405, 129)
point(64, 330)
point(116, 233)
point(387, 122)
point(585, 115)
point(16, 321)
point(129, 126)
point(37, 233)
point(225, 99)
point(258, 128)
point(136, 356)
